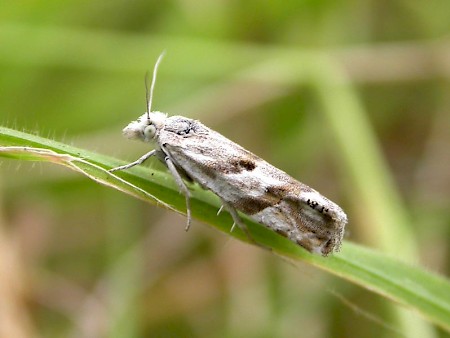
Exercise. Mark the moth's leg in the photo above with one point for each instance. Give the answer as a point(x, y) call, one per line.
point(239, 222)
point(140, 160)
point(183, 188)
point(236, 218)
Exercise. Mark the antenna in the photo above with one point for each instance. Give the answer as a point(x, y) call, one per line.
point(149, 93)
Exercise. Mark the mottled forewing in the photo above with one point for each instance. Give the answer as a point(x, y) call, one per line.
point(253, 186)
point(222, 166)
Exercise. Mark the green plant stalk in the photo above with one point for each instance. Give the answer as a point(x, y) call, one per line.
point(383, 217)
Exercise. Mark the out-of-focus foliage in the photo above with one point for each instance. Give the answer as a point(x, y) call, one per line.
point(351, 97)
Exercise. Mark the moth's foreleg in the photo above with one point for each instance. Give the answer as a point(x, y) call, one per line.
point(140, 160)
point(183, 188)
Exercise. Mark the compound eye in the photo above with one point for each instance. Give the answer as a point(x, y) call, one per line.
point(150, 131)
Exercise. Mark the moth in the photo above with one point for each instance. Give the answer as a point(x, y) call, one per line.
point(244, 182)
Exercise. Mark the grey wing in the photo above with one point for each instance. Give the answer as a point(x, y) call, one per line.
point(253, 186)
point(233, 173)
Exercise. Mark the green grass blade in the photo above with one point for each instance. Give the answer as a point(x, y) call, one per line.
point(415, 288)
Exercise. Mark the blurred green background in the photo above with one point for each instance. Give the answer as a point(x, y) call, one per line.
point(350, 97)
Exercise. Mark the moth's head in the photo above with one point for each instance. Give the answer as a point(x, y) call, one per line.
point(146, 127)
